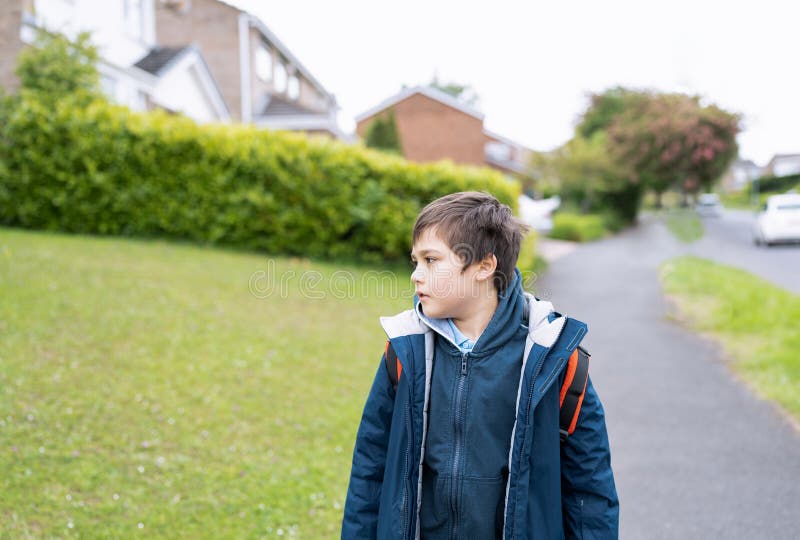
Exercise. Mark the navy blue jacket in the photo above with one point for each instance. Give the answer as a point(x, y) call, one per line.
point(552, 490)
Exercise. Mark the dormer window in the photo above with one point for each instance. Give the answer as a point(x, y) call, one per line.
point(293, 89)
point(133, 13)
point(281, 77)
point(264, 63)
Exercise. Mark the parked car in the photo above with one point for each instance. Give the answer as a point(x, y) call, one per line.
point(538, 213)
point(708, 205)
point(778, 220)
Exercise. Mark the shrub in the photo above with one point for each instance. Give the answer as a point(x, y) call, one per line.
point(103, 169)
point(578, 228)
point(775, 184)
point(527, 261)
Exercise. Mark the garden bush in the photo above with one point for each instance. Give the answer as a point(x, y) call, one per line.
point(102, 169)
point(578, 227)
point(775, 184)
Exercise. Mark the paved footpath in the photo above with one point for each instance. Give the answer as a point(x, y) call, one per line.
point(695, 453)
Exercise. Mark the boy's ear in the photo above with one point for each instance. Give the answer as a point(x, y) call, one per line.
point(486, 267)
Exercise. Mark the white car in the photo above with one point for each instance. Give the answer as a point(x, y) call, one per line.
point(778, 220)
point(708, 204)
point(538, 213)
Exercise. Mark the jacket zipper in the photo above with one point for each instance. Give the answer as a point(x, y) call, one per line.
point(458, 436)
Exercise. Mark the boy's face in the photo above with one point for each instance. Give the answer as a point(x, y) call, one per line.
point(443, 289)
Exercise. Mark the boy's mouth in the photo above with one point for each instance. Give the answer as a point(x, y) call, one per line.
point(421, 296)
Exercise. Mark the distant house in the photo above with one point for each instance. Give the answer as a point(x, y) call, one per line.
point(506, 155)
point(261, 81)
point(433, 125)
point(739, 175)
point(783, 165)
point(134, 70)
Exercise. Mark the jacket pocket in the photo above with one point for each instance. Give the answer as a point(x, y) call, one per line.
point(481, 502)
point(434, 507)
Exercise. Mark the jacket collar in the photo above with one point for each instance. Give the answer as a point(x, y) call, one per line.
point(541, 329)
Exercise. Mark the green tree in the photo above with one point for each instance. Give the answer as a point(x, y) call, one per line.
point(56, 68)
point(382, 134)
point(586, 171)
point(605, 107)
point(462, 92)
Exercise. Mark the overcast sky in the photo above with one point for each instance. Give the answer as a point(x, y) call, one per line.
point(532, 63)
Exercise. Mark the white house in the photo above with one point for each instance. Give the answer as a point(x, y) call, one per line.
point(134, 71)
point(783, 165)
point(261, 80)
point(739, 175)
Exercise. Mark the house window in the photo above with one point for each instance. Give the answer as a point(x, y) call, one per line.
point(498, 151)
point(280, 77)
point(133, 13)
point(264, 63)
point(293, 90)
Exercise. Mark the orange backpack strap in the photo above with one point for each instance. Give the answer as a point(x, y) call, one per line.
point(572, 391)
point(393, 365)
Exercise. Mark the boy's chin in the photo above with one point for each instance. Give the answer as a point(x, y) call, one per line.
point(433, 311)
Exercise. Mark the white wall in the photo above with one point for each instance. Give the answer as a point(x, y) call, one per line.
point(181, 89)
point(118, 40)
point(126, 89)
point(124, 32)
point(786, 166)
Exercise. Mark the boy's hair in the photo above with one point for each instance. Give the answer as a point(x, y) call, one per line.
point(475, 225)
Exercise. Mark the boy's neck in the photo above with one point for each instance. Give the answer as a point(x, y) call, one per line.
point(474, 321)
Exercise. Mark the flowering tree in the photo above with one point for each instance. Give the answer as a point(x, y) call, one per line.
point(629, 141)
point(673, 140)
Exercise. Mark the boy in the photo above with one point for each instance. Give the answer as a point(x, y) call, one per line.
point(468, 443)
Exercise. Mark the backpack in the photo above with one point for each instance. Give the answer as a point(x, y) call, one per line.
point(570, 396)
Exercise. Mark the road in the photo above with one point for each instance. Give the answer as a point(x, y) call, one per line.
point(729, 240)
point(695, 453)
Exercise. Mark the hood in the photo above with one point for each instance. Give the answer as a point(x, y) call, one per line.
point(508, 318)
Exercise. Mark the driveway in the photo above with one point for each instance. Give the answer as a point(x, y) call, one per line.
point(695, 453)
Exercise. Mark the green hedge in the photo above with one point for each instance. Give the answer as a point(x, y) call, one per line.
point(105, 170)
point(775, 184)
point(579, 227)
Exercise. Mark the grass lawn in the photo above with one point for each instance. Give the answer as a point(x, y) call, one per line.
point(684, 224)
point(755, 321)
point(145, 390)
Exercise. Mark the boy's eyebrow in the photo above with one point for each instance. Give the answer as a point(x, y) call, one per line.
point(424, 252)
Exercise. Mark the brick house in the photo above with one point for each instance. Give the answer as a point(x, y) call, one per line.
point(134, 71)
point(433, 125)
point(260, 79)
point(11, 44)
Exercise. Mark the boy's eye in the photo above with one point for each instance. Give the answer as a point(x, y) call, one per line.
point(428, 260)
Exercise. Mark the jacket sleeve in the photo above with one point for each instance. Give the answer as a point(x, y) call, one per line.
point(360, 519)
point(589, 496)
